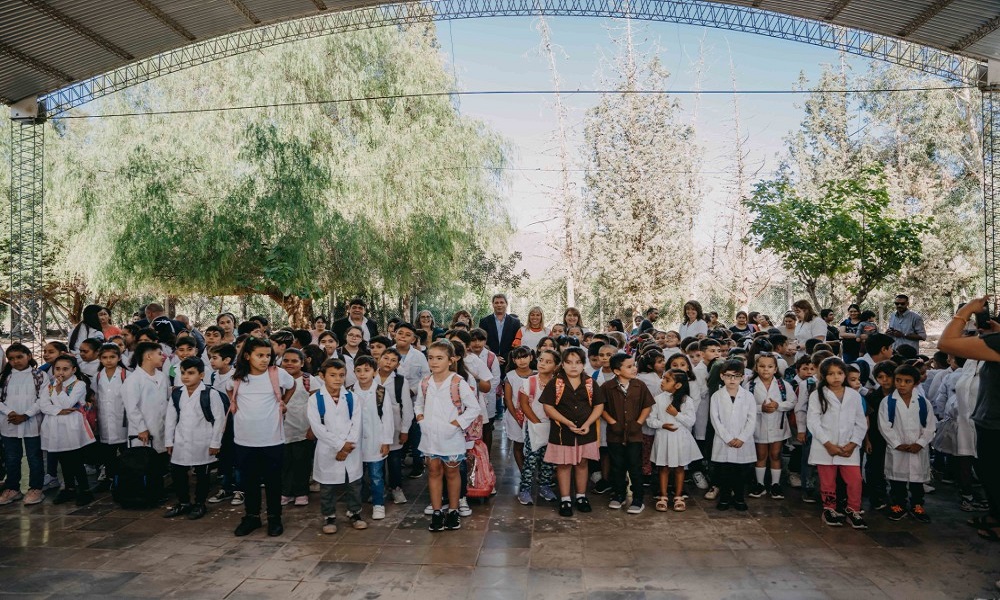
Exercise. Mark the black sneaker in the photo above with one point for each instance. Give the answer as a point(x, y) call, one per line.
point(197, 511)
point(102, 486)
point(809, 497)
point(896, 512)
point(602, 487)
point(565, 508)
point(722, 505)
point(856, 520)
point(583, 505)
point(776, 492)
point(417, 471)
point(176, 511)
point(832, 518)
point(437, 522)
point(740, 506)
point(64, 496)
point(247, 526)
point(274, 526)
point(757, 490)
point(453, 521)
point(917, 511)
point(84, 498)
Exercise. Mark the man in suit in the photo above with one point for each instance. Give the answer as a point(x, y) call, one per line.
point(355, 316)
point(501, 328)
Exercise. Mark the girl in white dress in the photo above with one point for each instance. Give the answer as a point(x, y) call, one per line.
point(775, 399)
point(65, 430)
point(513, 417)
point(674, 447)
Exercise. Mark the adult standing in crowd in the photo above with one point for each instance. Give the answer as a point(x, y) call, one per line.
point(985, 348)
point(809, 325)
point(88, 327)
point(693, 321)
point(906, 326)
point(652, 314)
point(850, 330)
point(155, 314)
point(500, 328)
point(355, 316)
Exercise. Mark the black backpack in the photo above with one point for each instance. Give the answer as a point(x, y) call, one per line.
point(206, 402)
point(139, 481)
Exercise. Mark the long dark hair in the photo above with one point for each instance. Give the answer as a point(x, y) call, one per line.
point(699, 311)
point(515, 353)
point(314, 358)
point(679, 376)
point(691, 376)
point(242, 369)
point(8, 369)
point(76, 372)
point(89, 319)
point(824, 370)
point(458, 349)
point(647, 361)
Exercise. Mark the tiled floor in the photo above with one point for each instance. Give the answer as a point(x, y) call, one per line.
point(504, 551)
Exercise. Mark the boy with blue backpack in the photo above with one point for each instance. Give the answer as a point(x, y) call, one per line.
point(907, 423)
point(195, 421)
point(335, 421)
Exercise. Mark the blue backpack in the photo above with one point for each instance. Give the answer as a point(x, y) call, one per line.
point(921, 409)
point(321, 405)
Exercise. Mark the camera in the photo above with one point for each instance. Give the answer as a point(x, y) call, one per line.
point(983, 318)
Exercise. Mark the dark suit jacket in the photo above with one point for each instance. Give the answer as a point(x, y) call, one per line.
point(500, 344)
point(340, 326)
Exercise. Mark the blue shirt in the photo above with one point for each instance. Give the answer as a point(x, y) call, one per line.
point(909, 323)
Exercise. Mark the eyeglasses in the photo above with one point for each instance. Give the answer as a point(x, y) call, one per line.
point(731, 376)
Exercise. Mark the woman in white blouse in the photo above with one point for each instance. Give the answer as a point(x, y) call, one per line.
point(809, 326)
point(693, 322)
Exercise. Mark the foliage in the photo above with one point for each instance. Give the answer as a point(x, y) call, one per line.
point(849, 228)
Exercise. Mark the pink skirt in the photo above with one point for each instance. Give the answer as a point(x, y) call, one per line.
point(571, 455)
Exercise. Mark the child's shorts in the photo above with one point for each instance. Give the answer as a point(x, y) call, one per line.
point(445, 458)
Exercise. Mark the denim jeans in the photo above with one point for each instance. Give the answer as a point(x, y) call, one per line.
point(375, 474)
point(808, 471)
point(14, 449)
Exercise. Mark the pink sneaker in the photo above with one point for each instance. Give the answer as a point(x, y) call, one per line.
point(34, 497)
point(285, 500)
point(302, 501)
point(9, 497)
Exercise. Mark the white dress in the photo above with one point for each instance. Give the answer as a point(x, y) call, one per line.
point(772, 427)
point(906, 466)
point(673, 448)
point(112, 427)
point(63, 433)
point(515, 432)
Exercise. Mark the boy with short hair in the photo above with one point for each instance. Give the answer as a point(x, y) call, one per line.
point(627, 403)
point(593, 357)
point(221, 357)
point(477, 346)
point(195, 422)
point(335, 421)
point(402, 417)
point(378, 345)
point(412, 366)
point(376, 430)
point(734, 418)
point(907, 422)
point(186, 347)
point(875, 444)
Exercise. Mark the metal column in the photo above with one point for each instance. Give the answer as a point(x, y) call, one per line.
point(26, 226)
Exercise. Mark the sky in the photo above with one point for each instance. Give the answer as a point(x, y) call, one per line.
point(504, 54)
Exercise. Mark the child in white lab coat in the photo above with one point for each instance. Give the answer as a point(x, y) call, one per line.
point(195, 421)
point(398, 397)
point(734, 417)
point(335, 421)
point(112, 426)
point(146, 393)
point(838, 425)
point(65, 431)
point(299, 449)
point(907, 422)
point(21, 385)
point(376, 430)
point(775, 400)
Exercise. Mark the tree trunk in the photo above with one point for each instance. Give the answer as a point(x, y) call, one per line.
point(298, 309)
point(76, 310)
point(171, 306)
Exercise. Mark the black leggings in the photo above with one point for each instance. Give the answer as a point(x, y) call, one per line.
point(179, 476)
point(74, 473)
point(731, 479)
point(988, 466)
point(258, 465)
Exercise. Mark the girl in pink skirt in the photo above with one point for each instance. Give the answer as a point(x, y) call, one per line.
point(570, 404)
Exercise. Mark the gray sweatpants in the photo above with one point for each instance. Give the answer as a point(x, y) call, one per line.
point(328, 497)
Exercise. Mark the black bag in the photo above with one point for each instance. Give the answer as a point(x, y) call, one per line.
point(139, 482)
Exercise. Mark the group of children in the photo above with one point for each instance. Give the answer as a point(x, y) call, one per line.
point(600, 412)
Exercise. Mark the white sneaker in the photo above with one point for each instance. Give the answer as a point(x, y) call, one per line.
point(928, 488)
point(615, 504)
point(430, 509)
point(795, 480)
point(51, 483)
point(378, 513)
point(398, 497)
point(635, 509)
point(713, 493)
point(238, 499)
point(463, 508)
point(700, 481)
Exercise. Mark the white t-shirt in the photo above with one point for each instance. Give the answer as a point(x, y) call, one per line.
point(257, 422)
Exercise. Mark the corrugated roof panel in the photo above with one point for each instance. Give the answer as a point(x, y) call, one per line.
point(269, 11)
point(959, 20)
point(204, 19)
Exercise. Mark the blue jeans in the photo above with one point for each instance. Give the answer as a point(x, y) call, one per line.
point(16, 448)
point(375, 472)
point(808, 471)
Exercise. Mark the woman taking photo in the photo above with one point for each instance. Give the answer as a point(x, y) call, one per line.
point(984, 347)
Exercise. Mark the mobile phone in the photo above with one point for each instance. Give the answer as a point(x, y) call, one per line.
point(984, 317)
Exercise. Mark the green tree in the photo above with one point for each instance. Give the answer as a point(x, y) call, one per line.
point(848, 229)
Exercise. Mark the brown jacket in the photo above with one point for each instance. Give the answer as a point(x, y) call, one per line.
point(624, 409)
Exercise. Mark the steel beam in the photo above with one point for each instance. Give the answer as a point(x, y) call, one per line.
point(26, 227)
point(34, 63)
point(166, 19)
point(920, 20)
point(982, 31)
point(690, 12)
point(246, 12)
point(836, 10)
point(991, 183)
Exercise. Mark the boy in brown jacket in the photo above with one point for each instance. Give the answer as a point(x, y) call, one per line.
point(627, 403)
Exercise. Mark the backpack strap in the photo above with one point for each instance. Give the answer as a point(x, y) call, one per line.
point(490, 359)
point(206, 405)
point(321, 406)
point(175, 397)
point(423, 386)
point(560, 389)
point(272, 374)
point(922, 410)
point(456, 394)
point(596, 374)
point(122, 371)
point(890, 404)
point(532, 386)
point(397, 383)
point(379, 398)
point(350, 404)
point(589, 384)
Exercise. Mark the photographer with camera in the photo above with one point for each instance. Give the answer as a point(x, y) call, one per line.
point(984, 347)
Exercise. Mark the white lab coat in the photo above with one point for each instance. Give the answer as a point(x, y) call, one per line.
point(62, 433)
point(843, 422)
point(413, 366)
point(340, 426)
point(22, 398)
point(438, 436)
point(673, 448)
point(802, 403)
point(296, 418)
point(699, 395)
point(515, 431)
point(375, 430)
point(956, 433)
point(402, 408)
point(90, 367)
point(191, 435)
point(944, 392)
point(492, 363)
point(733, 420)
point(772, 427)
point(905, 466)
point(652, 381)
point(146, 397)
point(538, 433)
point(110, 391)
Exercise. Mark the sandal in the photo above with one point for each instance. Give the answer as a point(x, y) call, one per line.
point(679, 504)
point(989, 533)
point(661, 505)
